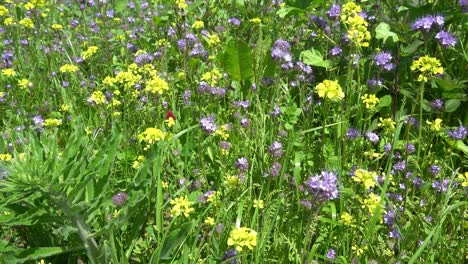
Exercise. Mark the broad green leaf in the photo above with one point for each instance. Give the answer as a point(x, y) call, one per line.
point(382, 31)
point(412, 48)
point(314, 57)
point(385, 101)
point(44, 252)
point(288, 10)
point(452, 105)
point(238, 60)
point(175, 239)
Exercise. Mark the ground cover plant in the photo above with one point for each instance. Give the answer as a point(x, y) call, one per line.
point(233, 131)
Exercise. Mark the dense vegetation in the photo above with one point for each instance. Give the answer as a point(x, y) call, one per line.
point(233, 131)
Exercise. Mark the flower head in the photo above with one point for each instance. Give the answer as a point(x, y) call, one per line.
point(367, 178)
point(119, 199)
point(242, 237)
point(330, 89)
point(427, 67)
point(181, 205)
point(446, 39)
point(323, 186)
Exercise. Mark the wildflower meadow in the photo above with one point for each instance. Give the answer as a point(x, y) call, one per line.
point(233, 131)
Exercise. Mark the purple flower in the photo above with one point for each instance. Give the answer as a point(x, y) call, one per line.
point(434, 170)
point(372, 137)
point(224, 145)
point(464, 5)
point(38, 120)
point(394, 233)
point(335, 51)
point(410, 149)
point(334, 12)
point(441, 187)
point(276, 149)
point(275, 169)
point(208, 124)
point(459, 133)
point(245, 122)
point(352, 133)
point(428, 23)
point(411, 121)
point(374, 82)
point(281, 52)
point(446, 39)
point(119, 199)
point(399, 166)
point(437, 104)
point(230, 254)
point(242, 164)
point(389, 217)
point(234, 21)
point(331, 254)
point(323, 186)
point(383, 60)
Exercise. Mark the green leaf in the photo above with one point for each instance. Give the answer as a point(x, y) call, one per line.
point(175, 239)
point(44, 252)
point(382, 31)
point(385, 101)
point(452, 105)
point(289, 10)
point(314, 57)
point(238, 60)
point(412, 48)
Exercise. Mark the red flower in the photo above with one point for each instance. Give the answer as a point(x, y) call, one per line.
point(169, 114)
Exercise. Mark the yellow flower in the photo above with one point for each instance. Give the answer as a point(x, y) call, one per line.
point(357, 25)
point(170, 122)
point(370, 100)
point(368, 178)
point(164, 184)
point(388, 124)
point(347, 219)
point(242, 237)
point(256, 20)
point(198, 24)
point(5, 157)
point(156, 86)
point(29, 6)
point(109, 81)
point(151, 135)
point(427, 67)
point(9, 72)
point(181, 4)
point(39, 3)
point(137, 163)
point(52, 122)
point(3, 11)
point(357, 250)
point(57, 27)
point(97, 98)
point(213, 40)
point(9, 21)
point(89, 52)
point(372, 203)
point(27, 23)
point(69, 68)
point(181, 205)
point(435, 125)
point(212, 77)
point(232, 181)
point(222, 132)
point(258, 204)
point(23, 83)
point(210, 221)
point(463, 178)
point(330, 89)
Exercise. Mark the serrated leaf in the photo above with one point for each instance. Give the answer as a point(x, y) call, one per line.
point(382, 31)
point(315, 58)
point(238, 60)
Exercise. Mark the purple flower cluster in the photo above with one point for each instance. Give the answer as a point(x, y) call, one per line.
point(372, 137)
point(428, 23)
point(352, 133)
point(242, 164)
point(205, 88)
point(208, 125)
point(441, 186)
point(464, 5)
point(280, 51)
point(383, 60)
point(459, 133)
point(335, 51)
point(276, 149)
point(446, 39)
point(323, 186)
point(334, 12)
point(437, 104)
point(119, 199)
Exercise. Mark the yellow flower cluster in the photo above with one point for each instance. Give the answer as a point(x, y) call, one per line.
point(52, 122)
point(89, 52)
point(435, 125)
point(370, 100)
point(151, 135)
point(242, 237)
point(210, 221)
point(27, 23)
point(98, 98)
point(181, 4)
point(258, 204)
point(368, 178)
point(170, 122)
point(23, 83)
point(388, 124)
point(69, 68)
point(347, 219)
point(256, 20)
point(427, 67)
point(156, 85)
point(198, 24)
point(222, 132)
point(463, 179)
point(9, 72)
point(372, 202)
point(213, 40)
point(137, 163)
point(330, 89)
point(5, 157)
point(357, 26)
point(3, 11)
point(57, 27)
point(181, 205)
point(232, 181)
point(212, 77)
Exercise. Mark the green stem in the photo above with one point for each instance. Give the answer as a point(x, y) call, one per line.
point(421, 99)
